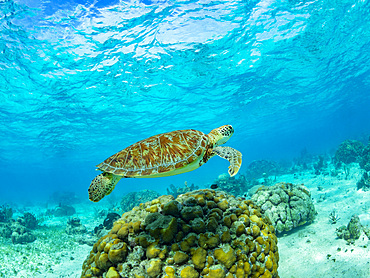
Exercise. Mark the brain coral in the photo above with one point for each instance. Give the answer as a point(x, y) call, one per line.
point(202, 233)
point(286, 205)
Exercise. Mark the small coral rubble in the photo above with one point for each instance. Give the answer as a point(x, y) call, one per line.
point(203, 233)
point(75, 227)
point(286, 205)
point(352, 231)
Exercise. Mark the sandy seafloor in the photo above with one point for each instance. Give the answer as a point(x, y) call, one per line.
point(310, 251)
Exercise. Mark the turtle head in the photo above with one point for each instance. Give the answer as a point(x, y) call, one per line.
point(220, 135)
point(102, 185)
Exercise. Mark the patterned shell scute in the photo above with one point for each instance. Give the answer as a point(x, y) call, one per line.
point(157, 154)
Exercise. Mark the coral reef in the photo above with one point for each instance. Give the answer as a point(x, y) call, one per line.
point(176, 191)
point(20, 234)
point(62, 210)
point(260, 168)
point(6, 213)
point(74, 226)
point(204, 233)
point(5, 230)
point(103, 229)
point(364, 182)
point(286, 205)
point(133, 199)
point(349, 151)
point(18, 231)
point(365, 159)
point(28, 220)
point(108, 221)
point(352, 231)
point(233, 185)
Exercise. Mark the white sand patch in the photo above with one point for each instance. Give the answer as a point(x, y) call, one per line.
point(314, 250)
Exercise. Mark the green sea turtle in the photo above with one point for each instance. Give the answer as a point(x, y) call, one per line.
point(162, 155)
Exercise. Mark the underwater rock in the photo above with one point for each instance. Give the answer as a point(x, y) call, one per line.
point(365, 159)
point(99, 231)
point(204, 233)
point(364, 182)
point(20, 234)
point(63, 210)
point(366, 231)
point(133, 199)
point(349, 151)
point(103, 229)
point(286, 205)
point(352, 231)
point(28, 220)
point(108, 221)
point(75, 227)
point(6, 213)
point(5, 230)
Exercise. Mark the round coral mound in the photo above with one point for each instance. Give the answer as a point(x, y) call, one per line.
point(287, 205)
point(203, 233)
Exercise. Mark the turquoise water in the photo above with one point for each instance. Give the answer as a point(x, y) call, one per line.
point(81, 80)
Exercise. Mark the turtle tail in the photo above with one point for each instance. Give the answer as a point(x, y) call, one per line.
point(102, 185)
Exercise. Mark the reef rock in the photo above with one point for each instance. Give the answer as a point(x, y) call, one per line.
point(6, 213)
point(352, 231)
point(109, 220)
point(5, 230)
point(365, 158)
point(349, 151)
point(20, 234)
point(63, 210)
point(286, 205)
point(28, 220)
point(364, 182)
point(74, 226)
point(203, 233)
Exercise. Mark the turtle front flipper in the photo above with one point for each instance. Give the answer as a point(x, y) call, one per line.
point(102, 185)
point(232, 155)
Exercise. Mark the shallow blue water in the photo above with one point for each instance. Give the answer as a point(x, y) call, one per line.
point(81, 80)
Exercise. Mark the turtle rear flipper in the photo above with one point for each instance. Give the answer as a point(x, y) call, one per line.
point(102, 185)
point(232, 155)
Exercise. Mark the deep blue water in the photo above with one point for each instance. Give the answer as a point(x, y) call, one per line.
point(81, 80)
